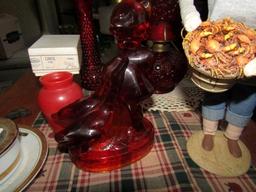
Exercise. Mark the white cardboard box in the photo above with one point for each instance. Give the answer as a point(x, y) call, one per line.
point(11, 39)
point(56, 53)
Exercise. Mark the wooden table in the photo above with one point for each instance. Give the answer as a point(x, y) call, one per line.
point(23, 93)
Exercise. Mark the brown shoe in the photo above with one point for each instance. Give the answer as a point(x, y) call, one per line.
point(234, 148)
point(207, 142)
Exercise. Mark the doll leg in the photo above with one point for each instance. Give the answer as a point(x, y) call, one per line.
point(239, 113)
point(209, 129)
point(213, 110)
point(233, 133)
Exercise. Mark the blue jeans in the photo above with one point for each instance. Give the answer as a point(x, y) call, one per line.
point(236, 106)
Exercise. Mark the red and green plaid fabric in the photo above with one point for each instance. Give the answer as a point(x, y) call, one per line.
point(167, 167)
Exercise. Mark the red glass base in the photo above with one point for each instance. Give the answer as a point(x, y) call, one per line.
point(113, 153)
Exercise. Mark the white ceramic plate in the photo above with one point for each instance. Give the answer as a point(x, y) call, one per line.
point(34, 153)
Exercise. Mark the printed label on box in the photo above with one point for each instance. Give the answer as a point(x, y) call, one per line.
point(64, 62)
point(36, 62)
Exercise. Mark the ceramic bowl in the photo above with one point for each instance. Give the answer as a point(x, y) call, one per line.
point(211, 84)
point(10, 150)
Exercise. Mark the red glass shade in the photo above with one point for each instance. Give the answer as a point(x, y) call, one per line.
point(161, 32)
point(129, 24)
point(164, 10)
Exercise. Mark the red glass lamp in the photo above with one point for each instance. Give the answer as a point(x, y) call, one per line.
point(170, 64)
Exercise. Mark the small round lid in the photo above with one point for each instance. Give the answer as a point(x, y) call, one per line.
point(8, 134)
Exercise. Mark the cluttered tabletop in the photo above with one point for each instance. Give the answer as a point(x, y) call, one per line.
point(167, 167)
point(134, 124)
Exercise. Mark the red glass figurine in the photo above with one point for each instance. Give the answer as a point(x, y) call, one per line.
point(107, 130)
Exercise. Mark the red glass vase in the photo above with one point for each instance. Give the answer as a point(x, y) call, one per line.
point(58, 90)
point(91, 67)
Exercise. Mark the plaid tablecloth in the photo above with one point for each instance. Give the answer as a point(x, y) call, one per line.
point(167, 167)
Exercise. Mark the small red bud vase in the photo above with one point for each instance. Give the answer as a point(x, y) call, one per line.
point(58, 90)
